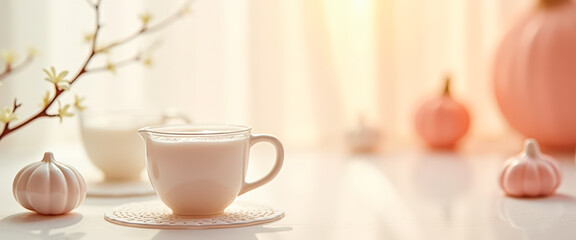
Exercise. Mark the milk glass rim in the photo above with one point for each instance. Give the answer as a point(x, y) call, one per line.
point(211, 129)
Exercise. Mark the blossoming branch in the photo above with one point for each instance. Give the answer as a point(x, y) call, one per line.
point(58, 79)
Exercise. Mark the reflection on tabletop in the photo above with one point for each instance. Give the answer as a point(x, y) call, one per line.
point(538, 218)
point(245, 233)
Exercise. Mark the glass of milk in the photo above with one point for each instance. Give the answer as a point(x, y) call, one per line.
point(112, 142)
point(199, 169)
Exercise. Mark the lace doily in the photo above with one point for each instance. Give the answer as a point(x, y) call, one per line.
point(154, 214)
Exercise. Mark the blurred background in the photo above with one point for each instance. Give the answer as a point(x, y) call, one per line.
point(304, 70)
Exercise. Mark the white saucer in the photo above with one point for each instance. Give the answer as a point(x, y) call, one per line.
point(154, 214)
point(119, 189)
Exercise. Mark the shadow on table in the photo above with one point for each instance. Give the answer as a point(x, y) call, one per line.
point(242, 233)
point(538, 218)
point(31, 225)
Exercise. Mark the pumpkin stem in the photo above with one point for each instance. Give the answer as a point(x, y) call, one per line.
point(550, 3)
point(446, 86)
point(531, 148)
point(48, 157)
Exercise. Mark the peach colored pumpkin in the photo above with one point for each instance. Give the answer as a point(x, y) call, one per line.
point(49, 187)
point(531, 173)
point(535, 74)
point(442, 121)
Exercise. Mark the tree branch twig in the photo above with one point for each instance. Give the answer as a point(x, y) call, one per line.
point(94, 51)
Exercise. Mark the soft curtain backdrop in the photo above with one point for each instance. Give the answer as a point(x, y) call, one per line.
point(305, 70)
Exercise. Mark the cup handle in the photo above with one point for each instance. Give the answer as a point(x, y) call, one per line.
point(277, 165)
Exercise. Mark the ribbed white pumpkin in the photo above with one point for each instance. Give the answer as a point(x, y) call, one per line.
point(49, 187)
point(530, 174)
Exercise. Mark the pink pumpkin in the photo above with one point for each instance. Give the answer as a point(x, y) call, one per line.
point(535, 74)
point(530, 174)
point(442, 121)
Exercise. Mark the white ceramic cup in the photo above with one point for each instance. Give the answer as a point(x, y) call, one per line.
point(112, 143)
point(198, 170)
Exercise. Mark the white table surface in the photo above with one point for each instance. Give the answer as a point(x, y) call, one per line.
point(402, 194)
